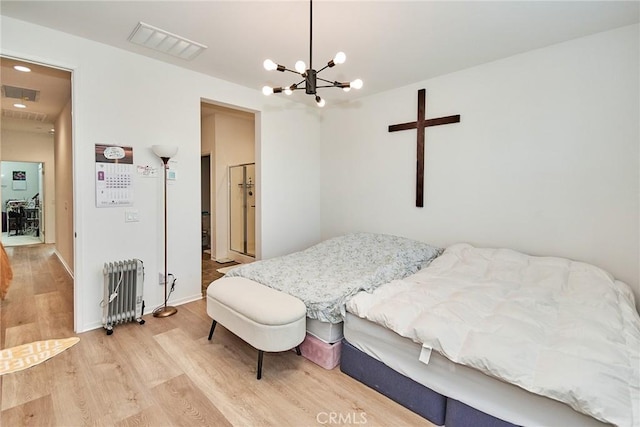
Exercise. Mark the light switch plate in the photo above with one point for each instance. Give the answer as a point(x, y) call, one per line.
point(131, 216)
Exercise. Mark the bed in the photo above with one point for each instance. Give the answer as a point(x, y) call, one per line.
point(496, 337)
point(327, 274)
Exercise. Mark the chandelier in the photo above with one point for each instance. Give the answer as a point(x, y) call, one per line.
point(309, 76)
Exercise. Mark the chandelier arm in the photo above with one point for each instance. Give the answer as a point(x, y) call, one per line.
point(293, 71)
point(332, 85)
point(326, 81)
point(323, 68)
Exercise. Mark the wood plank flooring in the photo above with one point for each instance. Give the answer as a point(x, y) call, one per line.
point(162, 373)
point(210, 270)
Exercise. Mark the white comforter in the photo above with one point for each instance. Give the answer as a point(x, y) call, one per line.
point(555, 327)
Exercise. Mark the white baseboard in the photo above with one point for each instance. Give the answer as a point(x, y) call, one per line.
point(64, 264)
point(148, 310)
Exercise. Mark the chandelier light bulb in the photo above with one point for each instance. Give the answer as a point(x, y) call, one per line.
point(340, 58)
point(356, 84)
point(269, 65)
point(320, 101)
point(267, 90)
point(301, 67)
point(347, 88)
point(287, 90)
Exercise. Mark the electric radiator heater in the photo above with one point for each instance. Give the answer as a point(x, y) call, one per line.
point(123, 284)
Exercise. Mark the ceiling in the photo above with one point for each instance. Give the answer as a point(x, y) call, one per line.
point(389, 44)
point(53, 88)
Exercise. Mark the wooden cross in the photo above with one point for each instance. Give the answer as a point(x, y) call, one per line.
point(420, 125)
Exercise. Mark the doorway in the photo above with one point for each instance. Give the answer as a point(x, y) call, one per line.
point(22, 207)
point(228, 138)
point(36, 128)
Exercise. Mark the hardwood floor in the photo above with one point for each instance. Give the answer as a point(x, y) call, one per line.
point(162, 373)
point(210, 270)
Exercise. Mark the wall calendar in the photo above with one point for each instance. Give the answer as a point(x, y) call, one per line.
point(114, 173)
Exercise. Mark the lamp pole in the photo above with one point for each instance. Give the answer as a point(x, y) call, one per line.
point(165, 311)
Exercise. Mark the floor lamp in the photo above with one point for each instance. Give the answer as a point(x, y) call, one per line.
point(165, 152)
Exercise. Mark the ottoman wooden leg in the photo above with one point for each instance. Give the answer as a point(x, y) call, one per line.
point(298, 350)
point(260, 354)
point(213, 326)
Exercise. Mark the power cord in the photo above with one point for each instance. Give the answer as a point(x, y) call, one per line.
point(114, 294)
point(171, 289)
point(115, 291)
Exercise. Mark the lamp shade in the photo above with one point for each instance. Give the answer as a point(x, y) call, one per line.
point(165, 151)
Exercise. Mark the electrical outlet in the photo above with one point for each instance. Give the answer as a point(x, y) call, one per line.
point(161, 279)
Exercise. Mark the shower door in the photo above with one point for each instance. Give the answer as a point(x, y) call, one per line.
point(242, 208)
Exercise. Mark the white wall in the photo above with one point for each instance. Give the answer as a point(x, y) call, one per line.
point(63, 152)
point(291, 202)
point(34, 147)
point(147, 102)
point(544, 160)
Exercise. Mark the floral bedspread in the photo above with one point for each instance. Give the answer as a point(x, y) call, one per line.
point(326, 275)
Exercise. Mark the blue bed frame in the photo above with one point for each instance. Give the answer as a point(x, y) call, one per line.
point(425, 402)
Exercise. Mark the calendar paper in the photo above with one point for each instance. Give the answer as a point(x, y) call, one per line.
point(114, 174)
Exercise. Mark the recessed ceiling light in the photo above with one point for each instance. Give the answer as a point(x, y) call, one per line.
point(19, 105)
point(22, 68)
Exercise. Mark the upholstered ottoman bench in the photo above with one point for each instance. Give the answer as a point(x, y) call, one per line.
point(265, 318)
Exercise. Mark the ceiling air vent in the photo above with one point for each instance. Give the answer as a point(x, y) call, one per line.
point(166, 42)
point(20, 93)
point(24, 115)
